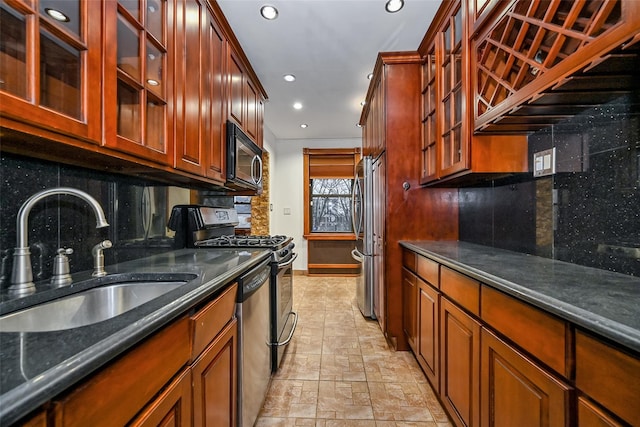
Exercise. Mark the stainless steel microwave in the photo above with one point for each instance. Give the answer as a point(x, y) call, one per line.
point(244, 160)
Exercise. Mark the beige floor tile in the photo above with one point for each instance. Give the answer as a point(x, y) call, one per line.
point(344, 400)
point(339, 371)
point(337, 367)
point(299, 366)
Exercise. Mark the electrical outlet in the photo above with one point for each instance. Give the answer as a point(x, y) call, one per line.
point(544, 162)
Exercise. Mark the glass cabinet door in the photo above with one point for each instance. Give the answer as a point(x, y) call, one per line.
point(451, 138)
point(429, 108)
point(48, 61)
point(137, 113)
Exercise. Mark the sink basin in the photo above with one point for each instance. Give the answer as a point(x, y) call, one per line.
point(86, 307)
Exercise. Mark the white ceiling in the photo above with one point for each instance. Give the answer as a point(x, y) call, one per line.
point(330, 46)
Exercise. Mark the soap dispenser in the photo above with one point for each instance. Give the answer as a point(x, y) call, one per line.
point(61, 276)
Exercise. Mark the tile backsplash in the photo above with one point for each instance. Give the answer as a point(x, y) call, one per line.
point(587, 212)
point(137, 212)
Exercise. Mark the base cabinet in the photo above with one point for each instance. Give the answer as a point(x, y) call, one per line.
point(516, 392)
point(428, 353)
point(460, 355)
point(409, 297)
point(215, 381)
point(590, 415)
point(172, 408)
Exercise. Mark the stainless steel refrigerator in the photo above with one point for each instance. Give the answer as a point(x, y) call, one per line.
point(362, 216)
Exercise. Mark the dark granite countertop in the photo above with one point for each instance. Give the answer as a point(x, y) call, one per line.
point(600, 301)
point(37, 366)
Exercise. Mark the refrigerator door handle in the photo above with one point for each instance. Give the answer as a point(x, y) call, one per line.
point(355, 254)
point(356, 184)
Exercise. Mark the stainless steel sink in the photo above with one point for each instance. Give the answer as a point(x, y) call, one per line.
point(86, 307)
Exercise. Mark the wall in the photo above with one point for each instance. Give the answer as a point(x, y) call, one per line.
point(588, 212)
point(136, 210)
point(287, 188)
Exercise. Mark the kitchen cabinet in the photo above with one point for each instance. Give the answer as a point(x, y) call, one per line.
point(201, 89)
point(214, 362)
point(428, 353)
point(390, 120)
point(245, 98)
point(516, 391)
point(49, 69)
point(410, 303)
point(187, 371)
point(139, 69)
point(215, 381)
point(609, 376)
point(590, 415)
point(171, 408)
point(537, 63)
point(37, 420)
point(460, 358)
point(139, 375)
point(451, 153)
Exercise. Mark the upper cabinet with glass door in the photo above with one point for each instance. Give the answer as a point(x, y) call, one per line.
point(50, 68)
point(451, 153)
point(138, 78)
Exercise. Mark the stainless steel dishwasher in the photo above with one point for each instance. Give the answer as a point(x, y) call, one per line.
point(254, 351)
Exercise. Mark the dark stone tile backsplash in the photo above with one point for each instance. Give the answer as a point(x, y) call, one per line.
point(588, 212)
point(137, 212)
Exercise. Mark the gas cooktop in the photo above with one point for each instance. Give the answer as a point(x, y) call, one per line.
point(255, 241)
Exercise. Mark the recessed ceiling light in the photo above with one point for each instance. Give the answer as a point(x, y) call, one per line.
point(304, 126)
point(370, 76)
point(297, 105)
point(56, 14)
point(269, 12)
point(289, 77)
point(393, 6)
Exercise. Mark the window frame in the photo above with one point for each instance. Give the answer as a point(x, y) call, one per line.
point(308, 154)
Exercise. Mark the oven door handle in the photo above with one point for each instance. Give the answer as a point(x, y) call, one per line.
point(285, 264)
point(293, 329)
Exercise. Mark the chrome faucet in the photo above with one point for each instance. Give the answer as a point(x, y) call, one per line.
point(22, 276)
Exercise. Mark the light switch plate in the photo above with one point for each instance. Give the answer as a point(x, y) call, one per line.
point(544, 162)
point(287, 211)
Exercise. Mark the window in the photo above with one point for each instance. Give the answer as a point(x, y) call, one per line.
point(328, 181)
point(331, 205)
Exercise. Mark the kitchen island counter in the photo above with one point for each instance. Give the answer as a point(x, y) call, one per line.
point(600, 301)
point(37, 366)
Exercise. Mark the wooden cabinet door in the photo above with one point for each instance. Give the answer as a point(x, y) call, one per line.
point(409, 309)
point(215, 106)
point(236, 89)
point(50, 70)
point(200, 104)
point(516, 392)
point(138, 78)
point(590, 415)
point(215, 381)
point(460, 361)
point(172, 408)
point(429, 332)
point(251, 115)
point(192, 75)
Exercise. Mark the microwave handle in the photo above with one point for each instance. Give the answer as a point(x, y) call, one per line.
point(257, 179)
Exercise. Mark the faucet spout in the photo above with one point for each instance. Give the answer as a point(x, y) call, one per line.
point(22, 276)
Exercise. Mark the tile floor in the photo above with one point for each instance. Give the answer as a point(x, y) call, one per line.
point(339, 372)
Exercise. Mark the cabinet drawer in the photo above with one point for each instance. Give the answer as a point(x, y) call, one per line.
point(409, 259)
point(541, 334)
point(461, 289)
point(116, 394)
point(428, 271)
point(210, 320)
point(609, 376)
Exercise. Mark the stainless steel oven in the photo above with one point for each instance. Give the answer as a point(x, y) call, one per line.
point(283, 318)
